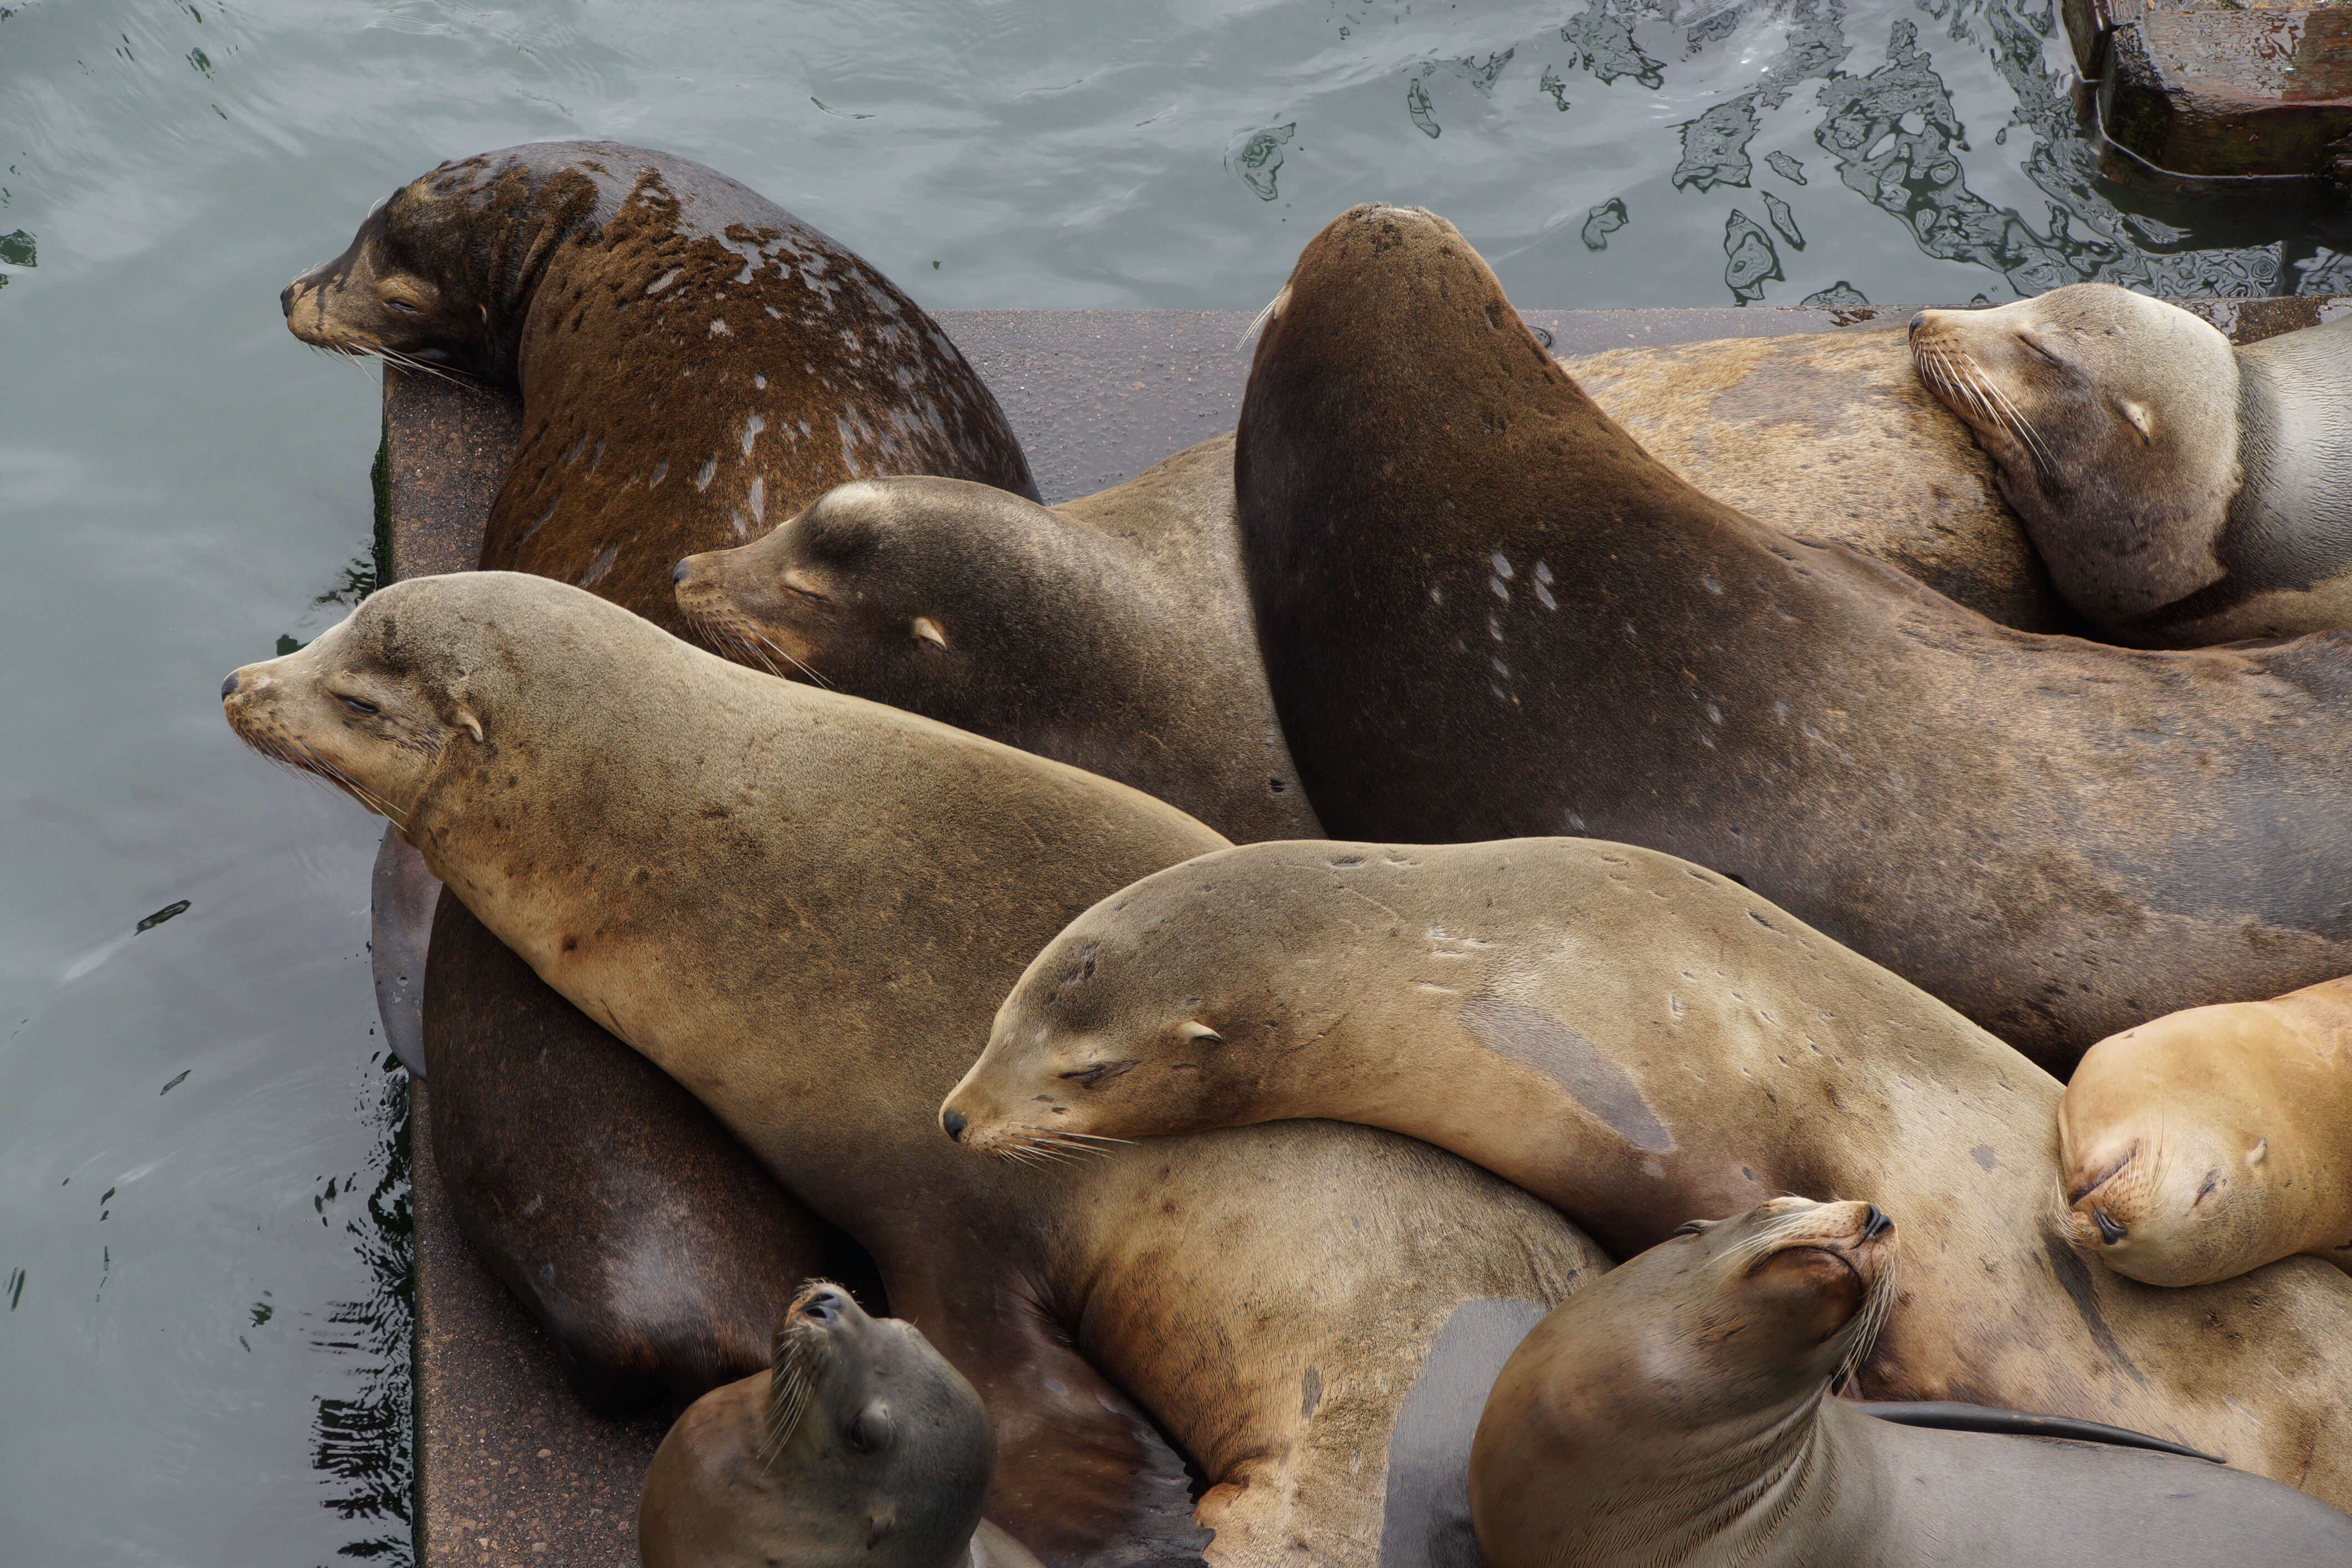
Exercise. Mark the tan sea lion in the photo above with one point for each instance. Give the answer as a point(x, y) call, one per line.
point(1677, 1412)
point(2184, 492)
point(1831, 437)
point(1486, 613)
point(648, 1245)
point(805, 907)
point(1639, 1041)
point(694, 362)
point(2208, 1142)
point(859, 1446)
point(1112, 633)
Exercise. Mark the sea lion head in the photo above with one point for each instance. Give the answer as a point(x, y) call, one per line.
point(431, 680)
point(1166, 1008)
point(371, 706)
point(862, 588)
point(1681, 1366)
point(860, 1445)
point(2164, 1148)
point(2112, 420)
point(440, 274)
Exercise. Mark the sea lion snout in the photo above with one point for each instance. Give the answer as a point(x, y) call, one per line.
point(229, 686)
point(1875, 1223)
point(954, 1121)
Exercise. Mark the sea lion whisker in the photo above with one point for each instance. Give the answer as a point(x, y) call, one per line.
point(2011, 418)
point(1257, 321)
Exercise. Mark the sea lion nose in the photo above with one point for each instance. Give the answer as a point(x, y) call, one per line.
point(953, 1120)
point(2109, 1231)
point(286, 301)
point(682, 571)
point(229, 686)
point(1875, 1224)
point(1917, 321)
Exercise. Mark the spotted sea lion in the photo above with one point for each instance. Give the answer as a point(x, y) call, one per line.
point(648, 1245)
point(1678, 1412)
point(1486, 613)
point(1637, 1041)
point(1831, 437)
point(805, 907)
point(2206, 1143)
point(2183, 491)
point(859, 1444)
point(694, 362)
point(1112, 633)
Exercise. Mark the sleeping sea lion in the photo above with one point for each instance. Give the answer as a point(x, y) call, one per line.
point(1636, 1040)
point(1678, 1411)
point(2183, 491)
point(859, 1447)
point(805, 907)
point(1830, 436)
point(1486, 613)
point(694, 362)
point(1111, 633)
point(2208, 1142)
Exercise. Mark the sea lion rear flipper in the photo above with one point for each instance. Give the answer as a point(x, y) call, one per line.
point(1083, 1477)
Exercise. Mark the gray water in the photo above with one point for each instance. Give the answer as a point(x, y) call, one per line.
point(202, 1191)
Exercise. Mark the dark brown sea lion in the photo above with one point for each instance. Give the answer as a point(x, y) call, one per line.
point(1830, 436)
point(860, 1447)
point(1111, 633)
point(1487, 614)
point(1638, 1041)
point(695, 362)
point(2204, 1144)
point(2183, 491)
point(1678, 1412)
point(806, 906)
point(645, 1241)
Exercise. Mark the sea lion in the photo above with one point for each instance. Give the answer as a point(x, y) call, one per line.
point(2208, 1142)
point(648, 1245)
point(1112, 633)
point(693, 360)
point(1486, 613)
point(1830, 436)
point(2184, 492)
point(859, 1444)
point(1678, 1411)
point(1637, 1040)
point(805, 907)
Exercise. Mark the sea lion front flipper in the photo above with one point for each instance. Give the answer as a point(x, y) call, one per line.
point(1949, 1416)
point(400, 898)
point(1083, 1477)
point(992, 1548)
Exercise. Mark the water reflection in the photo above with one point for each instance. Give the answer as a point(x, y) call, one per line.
point(1897, 138)
point(366, 1442)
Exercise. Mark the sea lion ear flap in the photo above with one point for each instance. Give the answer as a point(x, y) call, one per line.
point(463, 717)
point(928, 630)
point(2137, 416)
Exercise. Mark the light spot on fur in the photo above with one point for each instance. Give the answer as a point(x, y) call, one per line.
point(752, 428)
point(703, 474)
